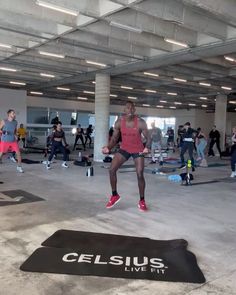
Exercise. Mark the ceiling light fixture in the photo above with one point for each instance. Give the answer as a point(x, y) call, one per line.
point(180, 80)
point(178, 103)
point(205, 84)
point(8, 69)
point(203, 98)
point(176, 42)
point(146, 105)
point(151, 74)
point(125, 27)
point(204, 106)
point(57, 8)
point(95, 63)
point(5, 45)
point(229, 58)
point(51, 54)
point(113, 95)
point(159, 106)
point(126, 87)
point(47, 75)
point(17, 83)
point(226, 88)
point(172, 107)
point(132, 97)
point(88, 92)
point(172, 93)
point(232, 101)
point(151, 91)
point(82, 98)
point(192, 104)
point(63, 88)
point(36, 92)
point(93, 82)
point(163, 101)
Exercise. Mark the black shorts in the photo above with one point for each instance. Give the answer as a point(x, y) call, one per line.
point(127, 155)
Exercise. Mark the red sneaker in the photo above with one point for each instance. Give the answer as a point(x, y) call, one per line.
point(142, 205)
point(113, 201)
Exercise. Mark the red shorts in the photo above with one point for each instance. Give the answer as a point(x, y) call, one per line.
point(9, 147)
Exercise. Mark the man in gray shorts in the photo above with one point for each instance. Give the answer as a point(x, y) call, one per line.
point(156, 137)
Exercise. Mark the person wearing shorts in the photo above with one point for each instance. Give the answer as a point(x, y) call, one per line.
point(130, 127)
point(8, 130)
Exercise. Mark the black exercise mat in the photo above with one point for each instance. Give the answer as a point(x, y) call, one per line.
point(16, 197)
point(28, 161)
point(214, 165)
point(152, 260)
point(204, 182)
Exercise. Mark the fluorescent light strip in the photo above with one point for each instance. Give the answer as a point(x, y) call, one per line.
point(172, 93)
point(232, 101)
point(180, 80)
point(82, 98)
point(229, 58)
point(51, 54)
point(126, 87)
point(57, 8)
point(159, 106)
point(132, 97)
point(63, 88)
point(125, 27)
point(163, 101)
point(204, 106)
point(8, 69)
point(17, 83)
point(113, 95)
point(205, 84)
point(93, 82)
point(88, 92)
point(37, 93)
point(203, 98)
point(95, 63)
point(226, 88)
point(178, 103)
point(146, 105)
point(47, 75)
point(176, 42)
point(5, 45)
point(151, 74)
point(192, 104)
point(172, 107)
point(151, 91)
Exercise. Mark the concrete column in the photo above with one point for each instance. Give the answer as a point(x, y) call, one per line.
point(102, 110)
point(220, 117)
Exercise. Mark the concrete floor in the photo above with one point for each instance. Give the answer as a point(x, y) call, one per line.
point(203, 215)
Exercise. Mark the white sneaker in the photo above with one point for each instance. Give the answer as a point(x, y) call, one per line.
point(12, 159)
point(65, 165)
point(233, 174)
point(48, 166)
point(19, 169)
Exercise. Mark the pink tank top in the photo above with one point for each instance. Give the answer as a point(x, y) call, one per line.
point(131, 137)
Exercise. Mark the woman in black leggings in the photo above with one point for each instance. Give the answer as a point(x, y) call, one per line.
point(233, 153)
point(89, 131)
point(58, 143)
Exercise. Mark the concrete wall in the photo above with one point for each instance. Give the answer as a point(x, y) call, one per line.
point(13, 99)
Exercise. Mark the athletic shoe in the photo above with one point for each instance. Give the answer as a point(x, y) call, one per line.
point(142, 205)
point(198, 159)
point(182, 167)
point(113, 201)
point(19, 169)
point(13, 159)
point(233, 174)
point(65, 165)
point(152, 162)
point(48, 166)
point(193, 169)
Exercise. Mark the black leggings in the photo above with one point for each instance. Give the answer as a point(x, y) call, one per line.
point(233, 157)
point(79, 136)
point(187, 146)
point(88, 137)
point(211, 152)
point(57, 146)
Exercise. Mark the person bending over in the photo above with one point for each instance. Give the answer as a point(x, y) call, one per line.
point(58, 141)
point(130, 127)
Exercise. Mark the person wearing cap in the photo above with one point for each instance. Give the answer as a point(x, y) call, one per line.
point(188, 144)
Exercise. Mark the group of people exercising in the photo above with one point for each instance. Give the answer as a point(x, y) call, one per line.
point(132, 129)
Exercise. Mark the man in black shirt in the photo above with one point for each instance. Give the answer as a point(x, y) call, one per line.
point(188, 144)
point(214, 136)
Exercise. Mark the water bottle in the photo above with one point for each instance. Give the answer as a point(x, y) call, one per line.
point(79, 157)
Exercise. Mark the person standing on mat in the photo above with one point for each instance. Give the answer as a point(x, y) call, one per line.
point(214, 136)
point(188, 145)
point(21, 133)
point(156, 137)
point(58, 143)
point(89, 131)
point(79, 135)
point(233, 153)
point(130, 127)
point(8, 128)
point(201, 143)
